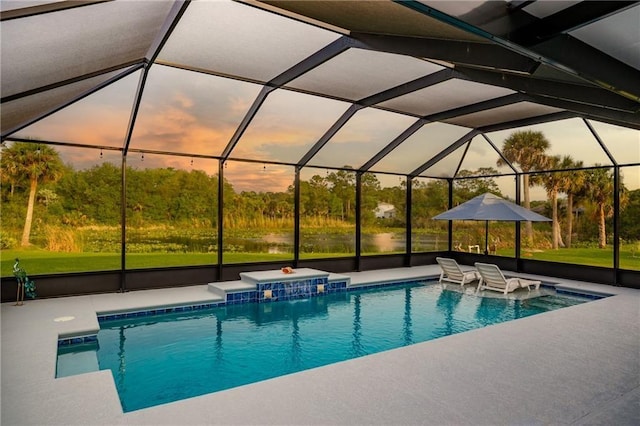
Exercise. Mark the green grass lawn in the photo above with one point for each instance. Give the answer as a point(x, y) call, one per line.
point(629, 259)
point(37, 262)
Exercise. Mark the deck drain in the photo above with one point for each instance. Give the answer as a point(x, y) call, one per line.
point(64, 319)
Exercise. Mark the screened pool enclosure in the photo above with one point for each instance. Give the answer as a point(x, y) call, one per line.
point(164, 143)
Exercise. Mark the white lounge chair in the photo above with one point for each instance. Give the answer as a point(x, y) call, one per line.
point(451, 272)
point(492, 278)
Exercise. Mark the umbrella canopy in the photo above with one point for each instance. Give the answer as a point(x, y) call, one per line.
point(490, 207)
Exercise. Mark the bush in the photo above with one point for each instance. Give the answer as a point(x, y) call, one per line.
point(61, 240)
point(7, 242)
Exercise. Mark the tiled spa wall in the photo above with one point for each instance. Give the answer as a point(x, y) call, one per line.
point(289, 290)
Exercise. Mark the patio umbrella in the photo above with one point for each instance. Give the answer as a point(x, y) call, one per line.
point(490, 207)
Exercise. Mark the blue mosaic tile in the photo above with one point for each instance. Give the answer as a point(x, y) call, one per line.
point(245, 297)
point(280, 292)
point(79, 340)
point(160, 311)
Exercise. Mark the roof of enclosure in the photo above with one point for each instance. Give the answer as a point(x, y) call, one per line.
point(420, 79)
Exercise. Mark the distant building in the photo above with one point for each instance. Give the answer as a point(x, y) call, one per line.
point(385, 211)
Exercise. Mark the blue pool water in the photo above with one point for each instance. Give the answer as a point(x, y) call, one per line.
point(170, 357)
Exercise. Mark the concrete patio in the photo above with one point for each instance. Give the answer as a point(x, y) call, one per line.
point(578, 365)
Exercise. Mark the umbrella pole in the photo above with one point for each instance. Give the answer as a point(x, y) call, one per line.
point(486, 238)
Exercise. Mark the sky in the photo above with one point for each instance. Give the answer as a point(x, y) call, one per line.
point(198, 114)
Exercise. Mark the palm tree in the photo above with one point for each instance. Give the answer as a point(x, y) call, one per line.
point(9, 173)
point(571, 184)
point(599, 189)
point(526, 148)
point(36, 163)
point(551, 183)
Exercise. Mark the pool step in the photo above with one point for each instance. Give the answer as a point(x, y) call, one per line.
point(335, 278)
point(226, 287)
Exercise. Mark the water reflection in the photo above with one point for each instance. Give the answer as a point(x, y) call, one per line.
point(447, 302)
point(122, 360)
point(218, 346)
point(492, 310)
point(296, 350)
point(407, 330)
point(386, 242)
point(283, 243)
point(356, 344)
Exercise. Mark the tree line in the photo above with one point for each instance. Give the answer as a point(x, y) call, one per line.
point(37, 185)
point(594, 187)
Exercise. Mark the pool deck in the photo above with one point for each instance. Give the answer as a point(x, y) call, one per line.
point(577, 365)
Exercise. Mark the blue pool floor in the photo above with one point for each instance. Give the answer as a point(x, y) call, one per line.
point(579, 365)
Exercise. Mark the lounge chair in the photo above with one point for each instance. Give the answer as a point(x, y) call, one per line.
point(492, 278)
point(451, 272)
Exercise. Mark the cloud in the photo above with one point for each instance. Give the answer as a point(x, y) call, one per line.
point(183, 100)
point(192, 113)
point(258, 177)
point(170, 128)
point(239, 105)
point(82, 125)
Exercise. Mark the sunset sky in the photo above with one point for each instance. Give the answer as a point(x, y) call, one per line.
point(199, 115)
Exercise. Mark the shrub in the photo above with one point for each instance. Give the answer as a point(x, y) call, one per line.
point(60, 239)
point(7, 241)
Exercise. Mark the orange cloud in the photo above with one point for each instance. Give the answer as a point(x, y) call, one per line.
point(258, 177)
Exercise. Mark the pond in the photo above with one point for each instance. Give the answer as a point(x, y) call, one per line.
point(248, 241)
point(385, 242)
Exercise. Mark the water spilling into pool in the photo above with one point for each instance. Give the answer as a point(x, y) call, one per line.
point(169, 357)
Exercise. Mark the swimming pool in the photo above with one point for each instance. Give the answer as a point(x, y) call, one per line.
point(169, 357)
